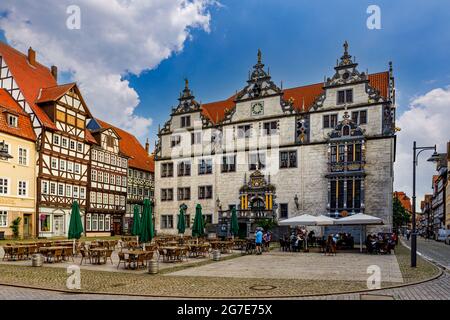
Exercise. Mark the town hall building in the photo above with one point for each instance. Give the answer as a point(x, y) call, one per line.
point(274, 153)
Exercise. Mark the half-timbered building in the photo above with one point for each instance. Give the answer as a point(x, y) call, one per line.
point(107, 182)
point(140, 173)
point(273, 153)
point(58, 114)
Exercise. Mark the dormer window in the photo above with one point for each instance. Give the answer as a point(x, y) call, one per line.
point(345, 96)
point(346, 131)
point(12, 120)
point(185, 121)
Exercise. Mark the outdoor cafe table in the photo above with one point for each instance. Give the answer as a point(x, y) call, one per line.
point(223, 246)
point(45, 250)
point(133, 256)
point(195, 249)
point(98, 254)
point(173, 252)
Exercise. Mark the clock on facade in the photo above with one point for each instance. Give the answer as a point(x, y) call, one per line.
point(257, 109)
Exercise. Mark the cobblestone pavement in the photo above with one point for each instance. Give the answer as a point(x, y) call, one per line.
point(432, 250)
point(438, 289)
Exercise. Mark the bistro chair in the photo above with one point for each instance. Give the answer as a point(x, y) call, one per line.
point(123, 260)
point(8, 253)
point(67, 253)
point(107, 255)
point(85, 255)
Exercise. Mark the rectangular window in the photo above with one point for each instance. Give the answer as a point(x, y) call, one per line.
point(107, 222)
point(94, 155)
point(113, 160)
point(69, 166)
point(167, 222)
point(77, 168)
point(3, 219)
point(196, 138)
point(106, 177)
point(62, 165)
point(56, 140)
point(175, 140)
point(359, 117)
point(107, 158)
point(350, 152)
point(257, 161)
point(333, 120)
point(111, 199)
point(358, 152)
point(54, 163)
point(94, 175)
point(283, 210)
point(229, 163)
point(44, 186)
point(82, 193)
point(184, 193)
point(101, 156)
point(244, 131)
point(205, 166)
point(116, 200)
point(345, 96)
point(22, 188)
point(88, 222)
point(4, 186)
point(99, 198)
point(75, 192)
point(205, 192)
point(100, 176)
point(341, 194)
point(333, 152)
point(166, 169)
point(288, 159)
point(44, 224)
point(166, 194)
point(341, 155)
point(357, 194)
point(12, 121)
point(52, 188)
point(69, 191)
point(7, 149)
point(105, 198)
point(330, 121)
point(184, 168)
point(185, 121)
point(109, 141)
point(60, 190)
point(333, 195)
point(270, 128)
point(118, 180)
point(23, 156)
point(101, 222)
point(72, 145)
point(95, 222)
point(349, 203)
point(79, 147)
point(92, 197)
point(64, 142)
point(187, 220)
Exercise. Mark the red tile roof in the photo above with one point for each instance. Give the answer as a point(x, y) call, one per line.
point(300, 96)
point(404, 200)
point(130, 146)
point(54, 93)
point(24, 127)
point(30, 79)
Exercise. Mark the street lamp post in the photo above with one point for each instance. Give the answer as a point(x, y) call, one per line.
point(433, 158)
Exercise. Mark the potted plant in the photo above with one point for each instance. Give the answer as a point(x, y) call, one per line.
point(15, 227)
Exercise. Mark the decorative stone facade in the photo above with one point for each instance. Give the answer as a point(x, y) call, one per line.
point(293, 138)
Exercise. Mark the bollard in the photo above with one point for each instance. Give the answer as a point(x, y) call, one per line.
point(216, 255)
point(153, 266)
point(36, 260)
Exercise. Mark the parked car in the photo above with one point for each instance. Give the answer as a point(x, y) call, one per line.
point(444, 235)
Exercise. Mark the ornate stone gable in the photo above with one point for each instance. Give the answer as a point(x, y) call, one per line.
point(346, 128)
point(259, 84)
point(187, 101)
point(257, 182)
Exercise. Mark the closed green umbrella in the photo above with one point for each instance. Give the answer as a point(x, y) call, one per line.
point(198, 229)
point(147, 232)
point(181, 226)
point(136, 221)
point(75, 225)
point(234, 222)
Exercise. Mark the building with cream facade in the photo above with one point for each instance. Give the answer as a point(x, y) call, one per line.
point(274, 153)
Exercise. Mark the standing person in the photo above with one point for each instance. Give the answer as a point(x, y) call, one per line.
point(408, 234)
point(258, 241)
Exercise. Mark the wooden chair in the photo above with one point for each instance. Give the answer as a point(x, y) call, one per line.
point(85, 255)
point(67, 253)
point(162, 253)
point(20, 253)
point(123, 259)
point(8, 253)
point(58, 256)
point(107, 255)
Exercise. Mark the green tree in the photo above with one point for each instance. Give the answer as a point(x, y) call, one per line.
point(267, 224)
point(400, 215)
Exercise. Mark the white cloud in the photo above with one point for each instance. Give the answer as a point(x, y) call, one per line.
point(427, 122)
point(116, 37)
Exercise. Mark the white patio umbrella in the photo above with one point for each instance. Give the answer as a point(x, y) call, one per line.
point(362, 220)
point(307, 220)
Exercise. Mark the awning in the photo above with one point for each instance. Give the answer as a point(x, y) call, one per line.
point(359, 219)
point(308, 220)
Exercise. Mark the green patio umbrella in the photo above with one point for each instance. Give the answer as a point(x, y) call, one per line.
point(198, 229)
point(136, 221)
point(147, 233)
point(234, 222)
point(75, 225)
point(181, 226)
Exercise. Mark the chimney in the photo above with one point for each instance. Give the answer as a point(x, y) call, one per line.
point(54, 70)
point(147, 146)
point(31, 56)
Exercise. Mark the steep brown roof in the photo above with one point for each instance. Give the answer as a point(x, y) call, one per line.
point(130, 146)
point(30, 79)
point(302, 97)
point(54, 93)
point(24, 127)
point(404, 200)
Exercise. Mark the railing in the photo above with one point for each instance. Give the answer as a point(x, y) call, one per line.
point(226, 214)
point(346, 166)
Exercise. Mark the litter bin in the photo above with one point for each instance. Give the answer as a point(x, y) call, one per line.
point(37, 259)
point(153, 266)
point(216, 255)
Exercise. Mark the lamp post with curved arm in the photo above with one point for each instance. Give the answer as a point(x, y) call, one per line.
point(435, 157)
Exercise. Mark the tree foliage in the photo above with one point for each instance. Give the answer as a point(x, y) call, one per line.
point(400, 214)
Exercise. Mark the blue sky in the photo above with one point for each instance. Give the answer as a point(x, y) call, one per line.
point(300, 42)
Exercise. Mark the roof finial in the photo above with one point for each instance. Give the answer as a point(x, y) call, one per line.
point(345, 47)
point(186, 83)
point(259, 55)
